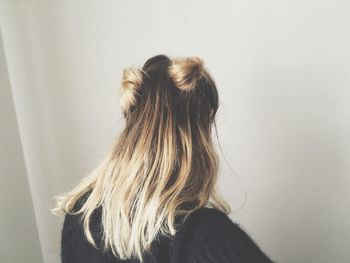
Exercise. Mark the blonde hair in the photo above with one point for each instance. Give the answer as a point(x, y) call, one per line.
point(163, 164)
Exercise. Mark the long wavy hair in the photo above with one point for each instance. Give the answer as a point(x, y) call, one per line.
point(163, 164)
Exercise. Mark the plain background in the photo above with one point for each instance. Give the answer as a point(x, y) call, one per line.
point(282, 70)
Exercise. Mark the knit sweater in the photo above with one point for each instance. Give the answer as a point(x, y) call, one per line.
point(207, 235)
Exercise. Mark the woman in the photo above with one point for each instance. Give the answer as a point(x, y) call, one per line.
point(153, 198)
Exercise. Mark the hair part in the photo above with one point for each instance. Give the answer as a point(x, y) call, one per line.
point(163, 165)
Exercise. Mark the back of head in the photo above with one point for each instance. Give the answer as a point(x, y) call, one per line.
point(163, 164)
point(178, 87)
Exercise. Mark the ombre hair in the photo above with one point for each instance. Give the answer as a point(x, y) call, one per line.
point(163, 165)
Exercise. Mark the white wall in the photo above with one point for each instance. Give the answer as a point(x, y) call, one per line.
point(282, 69)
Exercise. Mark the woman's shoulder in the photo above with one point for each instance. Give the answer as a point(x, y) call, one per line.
point(209, 216)
point(73, 222)
point(212, 235)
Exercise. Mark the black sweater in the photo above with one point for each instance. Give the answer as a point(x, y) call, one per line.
point(207, 235)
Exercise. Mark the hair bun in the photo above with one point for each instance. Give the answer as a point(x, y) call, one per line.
point(186, 71)
point(131, 83)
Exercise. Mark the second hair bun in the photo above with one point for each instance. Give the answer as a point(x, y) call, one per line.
point(185, 72)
